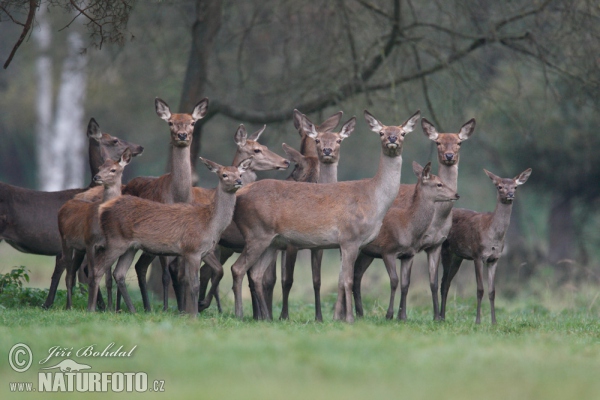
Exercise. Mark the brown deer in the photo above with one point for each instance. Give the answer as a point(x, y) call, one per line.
point(328, 152)
point(402, 232)
point(78, 221)
point(172, 187)
point(263, 159)
point(187, 230)
point(272, 214)
point(480, 237)
point(448, 152)
point(29, 217)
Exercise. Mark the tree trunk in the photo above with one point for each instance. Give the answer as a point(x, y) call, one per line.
point(561, 232)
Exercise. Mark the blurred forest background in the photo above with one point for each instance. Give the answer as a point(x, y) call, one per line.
point(527, 71)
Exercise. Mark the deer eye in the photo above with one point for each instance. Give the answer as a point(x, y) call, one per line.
point(113, 170)
point(115, 141)
point(224, 175)
point(380, 133)
point(499, 187)
point(193, 123)
point(317, 141)
point(170, 123)
point(339, 141)
point(439, 185)
point(257, 151)
point(438, 143)
point(459, 143)
point(403, 134)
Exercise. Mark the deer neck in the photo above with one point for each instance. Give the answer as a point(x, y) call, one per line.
point(386, 182)
point(500, 221)
point(95, 158)
point(328, 172)
point(449, 175)
point(111, 192)
point(223, 210)
point(181, 174)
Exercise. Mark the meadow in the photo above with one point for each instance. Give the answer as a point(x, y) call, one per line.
point(546, 344)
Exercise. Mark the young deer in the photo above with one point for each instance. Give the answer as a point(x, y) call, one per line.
point(272, 214)
point(172, 187)
point(402, 231)
point(328, 152)
point(187, 230)
point(448, 152)
point(78, 221)
point(480, 237)
point(31, 225)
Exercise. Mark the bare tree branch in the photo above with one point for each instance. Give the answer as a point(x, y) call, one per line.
point(26, 29)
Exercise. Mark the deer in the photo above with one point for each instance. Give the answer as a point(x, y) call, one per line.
point(448, 154)
point(480, 237)
point(263, 159)
point(78, 221)
point(172, 187)
point(273, 214)
point(29, 217)
point(186, 230)
point(327, 145)
point(402, 232)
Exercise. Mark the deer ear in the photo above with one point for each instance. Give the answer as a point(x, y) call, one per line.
point(429, 130)
point(240, 136)
point(522, 177)
point(330, 123)
point(292, 153)
point(298, 120)
point(417, 169)
point(410, 123)
point(162, 109)
point(211, 165)
point(491, 176)
point(374, 124)
point(348, 128)
point(426, 174)
point(309, 128)
point(93, 130)
point(125, 157)
point(244, 165)
point(200, 109)
point(257, 134)
point(467, 129)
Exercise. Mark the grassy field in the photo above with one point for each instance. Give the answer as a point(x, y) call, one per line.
point(545, 346)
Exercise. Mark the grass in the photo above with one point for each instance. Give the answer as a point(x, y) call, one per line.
point(541, 348)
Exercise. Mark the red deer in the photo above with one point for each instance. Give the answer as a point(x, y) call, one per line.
point(273, 214)
point(480, 237)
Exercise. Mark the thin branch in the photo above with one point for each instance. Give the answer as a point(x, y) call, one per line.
point(26, 29)
point(82, 12)
point(10, 16)
point(375, 9)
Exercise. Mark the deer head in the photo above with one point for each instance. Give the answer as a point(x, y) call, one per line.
point(263, 159)
point(433, 185)
point(448, 144)
point(392, 137)
point(328, 142)
point(181, 125)
point(110, 172)
point(230, 178)
point(507, 187)
point(306, 168)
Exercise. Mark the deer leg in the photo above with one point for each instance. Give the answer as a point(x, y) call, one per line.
point(191, 267)
point(96, 268)
point(492, 288)
point(141, 270)
point(59, 268)
point(406, 266)
point(71, 263)
point(269, 280)
point(345, 283)
point(363, 262)
point(389, 261)
point(288, 262)
point(316, 256)
point(250, 254)
point(450, 263)
point(217, 274)
point(120, 272)
point(109, 297)
point(166, 282)
point(174, 270)
point(433, 260)
point(257, 276)
point(479, 278)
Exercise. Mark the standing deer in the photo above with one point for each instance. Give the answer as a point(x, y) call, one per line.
point(78, 221)
point(263, 159)
point(29, 217)
point(172, 187)
point(272, 214)
point(402, 232)
point(448, 152)
point(187, 230)
point(480, 237)
point(328, 152)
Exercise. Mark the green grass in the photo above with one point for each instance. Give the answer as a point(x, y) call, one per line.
point(546, 345)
